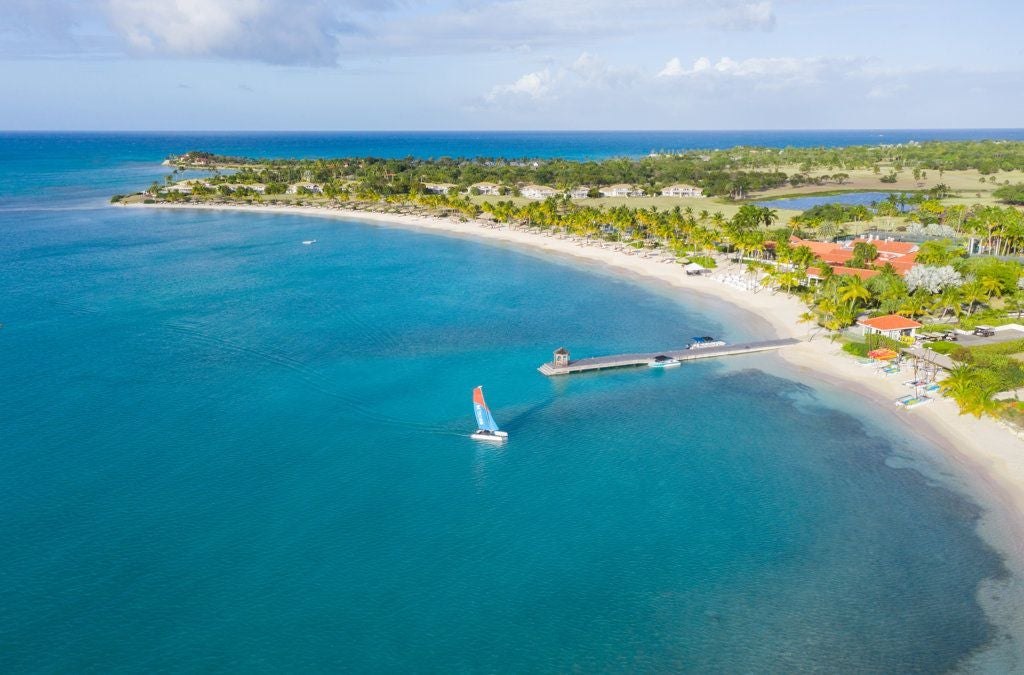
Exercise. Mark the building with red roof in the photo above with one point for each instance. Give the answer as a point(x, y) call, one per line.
point(892, 326)
point(901, 255)
point(814, 273)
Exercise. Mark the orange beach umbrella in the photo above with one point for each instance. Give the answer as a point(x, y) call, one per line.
point(883, 354)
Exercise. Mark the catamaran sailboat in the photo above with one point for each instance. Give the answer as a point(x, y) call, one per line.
point(487, 428)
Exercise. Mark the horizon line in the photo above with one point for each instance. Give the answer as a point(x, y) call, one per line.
point(499, 131)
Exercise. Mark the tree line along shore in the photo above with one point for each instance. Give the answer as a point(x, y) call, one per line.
point(958, 267)
point(734, 172)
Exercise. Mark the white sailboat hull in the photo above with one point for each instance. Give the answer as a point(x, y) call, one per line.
point(497, 436)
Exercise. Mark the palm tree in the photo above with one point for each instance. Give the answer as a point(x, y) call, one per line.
point(789, 279)
point(827, 308)
point(1016, 301)
point(949, 300)
point(810, 318)
point(981, 402)
point(960, 383)
point(973, 293)
point(852, 290)
point(991, 286)
point(913, 305)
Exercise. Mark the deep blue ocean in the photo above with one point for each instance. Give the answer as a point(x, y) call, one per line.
point(224, 451)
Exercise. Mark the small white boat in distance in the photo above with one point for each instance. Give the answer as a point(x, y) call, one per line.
point(307, 242)
point(487, 428)
point(662, 361)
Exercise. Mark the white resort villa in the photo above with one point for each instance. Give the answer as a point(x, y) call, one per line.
point(490, 189)
point(258, 188)
point(581, 192)
point(311, 187)
point(438, 188)
point(621, 190)
point(537, 191)
point(681, 190)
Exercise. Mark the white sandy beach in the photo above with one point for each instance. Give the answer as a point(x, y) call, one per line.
point(988, 457)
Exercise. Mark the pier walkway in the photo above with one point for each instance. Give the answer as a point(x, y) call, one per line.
point(683, 354)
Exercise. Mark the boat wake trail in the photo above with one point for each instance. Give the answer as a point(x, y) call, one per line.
point(529, 413)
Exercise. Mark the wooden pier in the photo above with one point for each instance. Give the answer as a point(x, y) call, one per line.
point(568, 367)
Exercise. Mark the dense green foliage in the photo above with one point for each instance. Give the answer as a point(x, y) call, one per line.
point(860, 349)
point(733, 172)
point(836, 213)
point(985, 156)
point(1010, 194)
point(983, 372)
point(408, 175)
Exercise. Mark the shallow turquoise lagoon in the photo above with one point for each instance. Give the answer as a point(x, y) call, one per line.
point(227, 451)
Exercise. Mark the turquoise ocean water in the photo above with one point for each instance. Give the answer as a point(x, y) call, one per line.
point(226, 451)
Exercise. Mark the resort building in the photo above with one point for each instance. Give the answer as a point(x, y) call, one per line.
point(621, 190)
point(311, 187)
point(187, 187)
point(259, 188)
point(681, 190)
point(438, 188)
point(892, 326)
point(490, 189)
point(537, 191)
point(581, 192)
point(814, 273)
point(900, 254)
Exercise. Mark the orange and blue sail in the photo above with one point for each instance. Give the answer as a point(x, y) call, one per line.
point(484, 420)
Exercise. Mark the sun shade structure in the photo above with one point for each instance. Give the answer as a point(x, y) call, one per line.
point(883, 354)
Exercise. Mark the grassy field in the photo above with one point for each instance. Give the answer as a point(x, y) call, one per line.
point(968, 183)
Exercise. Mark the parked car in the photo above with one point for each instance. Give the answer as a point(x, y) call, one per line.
point(984, 331)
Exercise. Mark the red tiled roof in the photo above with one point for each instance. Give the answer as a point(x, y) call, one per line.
point(839, 269)
point(901, 266)
point(896, 247)
point(890, 322)
point(897, 253)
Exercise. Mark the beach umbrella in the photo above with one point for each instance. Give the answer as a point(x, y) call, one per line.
point(883, 354)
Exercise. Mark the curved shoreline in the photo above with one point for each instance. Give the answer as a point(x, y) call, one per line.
point(988, 458)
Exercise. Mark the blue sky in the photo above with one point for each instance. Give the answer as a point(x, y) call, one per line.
point(509, 64)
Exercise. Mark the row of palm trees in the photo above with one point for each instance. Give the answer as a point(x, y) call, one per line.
point(973, 389)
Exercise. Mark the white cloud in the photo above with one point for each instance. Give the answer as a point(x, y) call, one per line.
point(674, 67)
point(886, 90)
point(766, 72)
point(294, 32)
point(586, 74)
point(752, 16)
point(595, 71)
point(318, 32)
point(531, 85)
point(457, 26)
point(262, 30)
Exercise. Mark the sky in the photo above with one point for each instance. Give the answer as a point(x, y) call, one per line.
point(509, 64)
